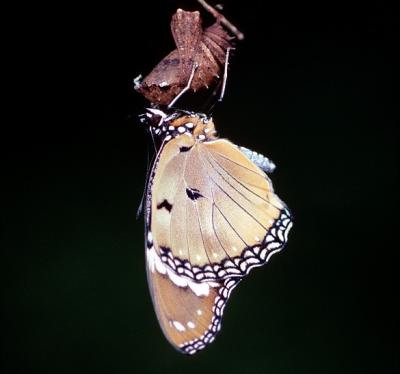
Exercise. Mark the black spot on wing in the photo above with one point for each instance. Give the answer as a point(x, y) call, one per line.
point(165, 204)
point(165, 250)
point(185, 149)
point(193, 193)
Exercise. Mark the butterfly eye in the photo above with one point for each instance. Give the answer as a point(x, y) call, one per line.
point(153, 117)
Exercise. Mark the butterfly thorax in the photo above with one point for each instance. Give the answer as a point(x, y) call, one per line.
point(170, 126)
point(200, 127)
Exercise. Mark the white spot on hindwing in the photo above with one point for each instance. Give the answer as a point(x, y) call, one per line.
point(178, 326)
point(150, 237)
point(200, 289)
point(179, 281)
point(155, 264)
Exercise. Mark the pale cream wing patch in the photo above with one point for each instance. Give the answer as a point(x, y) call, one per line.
point(180, 217)
point(167, 180)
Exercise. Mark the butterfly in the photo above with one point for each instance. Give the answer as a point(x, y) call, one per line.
point(211, 216)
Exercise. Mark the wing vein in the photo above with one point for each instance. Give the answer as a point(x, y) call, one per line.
point(198, 220)
point(240, 206)
point(236, 163)
point(174, 199)
point(239, 182)
point(212, 209)
point(226, 180)
point(227, 221)
point(201, 231)
point(215, 230)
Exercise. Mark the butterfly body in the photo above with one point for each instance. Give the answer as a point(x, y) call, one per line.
point(211, 216)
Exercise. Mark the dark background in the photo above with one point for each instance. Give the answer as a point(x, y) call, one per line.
point(311, 87)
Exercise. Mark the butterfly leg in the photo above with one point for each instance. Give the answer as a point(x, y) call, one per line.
point(189, 84)
point(221, 85)
point(225, 77)
point(261, 161)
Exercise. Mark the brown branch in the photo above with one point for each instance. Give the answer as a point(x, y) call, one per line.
point(222, 19)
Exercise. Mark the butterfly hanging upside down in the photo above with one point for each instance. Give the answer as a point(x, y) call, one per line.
point(211, 216)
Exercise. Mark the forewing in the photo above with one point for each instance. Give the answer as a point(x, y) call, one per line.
point(214, 212)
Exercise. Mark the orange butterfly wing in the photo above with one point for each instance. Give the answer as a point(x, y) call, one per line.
point(211, 217)
point(214, 212)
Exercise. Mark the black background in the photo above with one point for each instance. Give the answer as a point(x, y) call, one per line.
point(311, 87)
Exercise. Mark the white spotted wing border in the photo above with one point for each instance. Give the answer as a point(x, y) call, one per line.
point(239, 266)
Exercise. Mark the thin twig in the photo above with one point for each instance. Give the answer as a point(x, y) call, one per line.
point(222, 19)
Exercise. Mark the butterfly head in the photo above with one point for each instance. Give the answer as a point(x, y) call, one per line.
point(178, 122)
